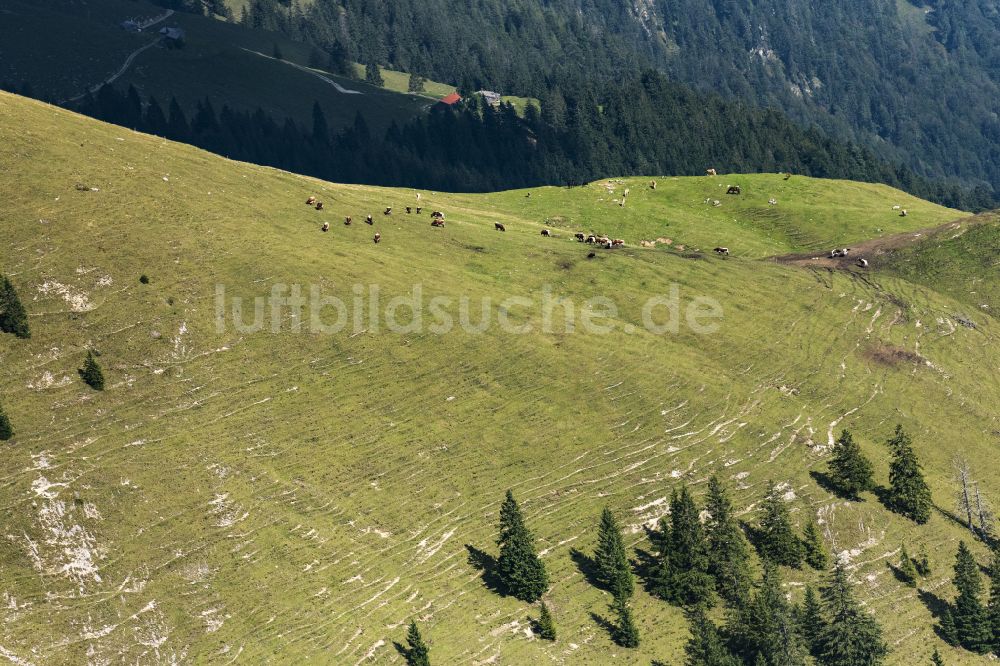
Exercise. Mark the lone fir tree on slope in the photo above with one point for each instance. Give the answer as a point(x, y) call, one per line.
point(519, 569)
point(908, 491)
point(6, 430)
point(907, 569)
point(972, 624)
point(850, 471)
point(611, 559)
point(545, 625)
point(417, 652)
point(13, 318)
point(91, 373)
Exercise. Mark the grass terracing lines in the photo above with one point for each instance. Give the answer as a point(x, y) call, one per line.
point(252, 497)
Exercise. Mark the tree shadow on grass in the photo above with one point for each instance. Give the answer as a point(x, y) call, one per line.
point(963, 523)
point(935, 604)
point(645, 567)
point(898, 573)
point(606, 624)
point(401, 649)
point(953, 517)
point(754, 536)
point(587, 566)
point(826, 482)
point(482, 561)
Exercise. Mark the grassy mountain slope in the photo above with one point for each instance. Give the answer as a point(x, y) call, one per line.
point(964, 264)
point(62, 49)
point(298, 497)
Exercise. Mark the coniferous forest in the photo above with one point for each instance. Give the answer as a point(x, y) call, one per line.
point(916, 81)
point(642, 125)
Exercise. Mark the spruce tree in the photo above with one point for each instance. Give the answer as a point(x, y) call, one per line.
point(971, 621)
point(815, 551)
point(764, 630)
point(13, 318)
point(923, 562)
point(729, 562)
point(415, 84)
point(993, 608)
point(850, 471)
point(6, 430)
point(611, 559)
point(908, 492)
point(947, 627)
point(417, 652)
point(851, 636)
point(519, 569)
point(706, 647)
point(546, 626)
point(321, 129)
point(373, 74)
point(682, 571)
point(811, 622)
point(626, 632)
point(777, 540)
point(91, 373)
point(936, 659)
point(907, 570)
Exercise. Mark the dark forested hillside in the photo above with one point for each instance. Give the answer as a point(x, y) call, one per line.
point(643, 124)
point(920, 83)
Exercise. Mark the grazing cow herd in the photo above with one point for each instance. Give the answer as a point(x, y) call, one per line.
point(603, 241)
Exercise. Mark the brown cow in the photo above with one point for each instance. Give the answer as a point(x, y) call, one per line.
point(652, 184)
point(710, 172)
point(617, 242)
point(310, 201)
point(377, 238)
point(437, 222)
point(499, 227)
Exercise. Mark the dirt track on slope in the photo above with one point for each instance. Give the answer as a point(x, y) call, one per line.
point(873, 249)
